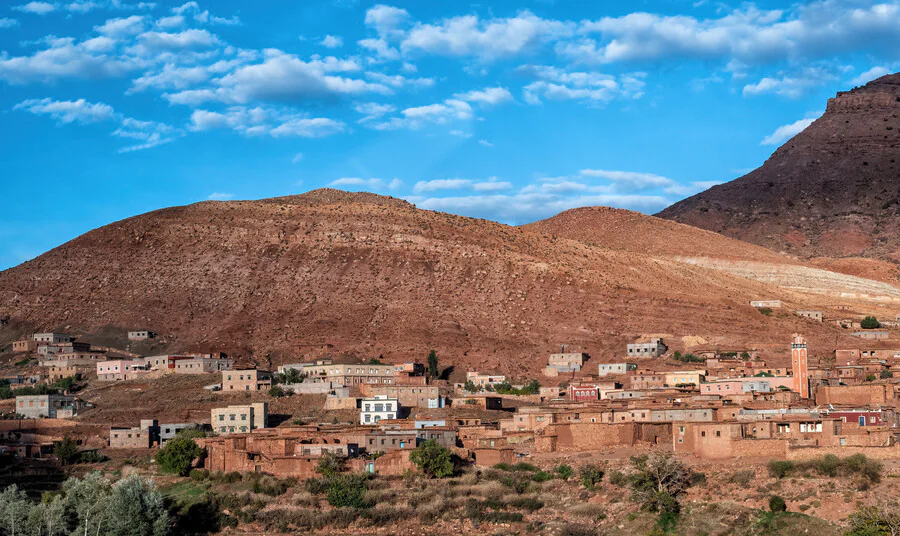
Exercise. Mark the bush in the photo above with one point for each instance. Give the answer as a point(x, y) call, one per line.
point(92, 456)
point(590, 476)
point(542, 476)
point(618, 478)
point(564, 472)
point(433, 459)
point(780, 468)
point(331, 464)
point(277, 392)
point(765, 311)
point(347, 491)
point(870, 322)
point(777, 504)
point(199, 475)
point(178, 455)
point(743, 477)
point(67, 451)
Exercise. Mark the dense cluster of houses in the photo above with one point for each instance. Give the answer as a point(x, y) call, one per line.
point(719, 405)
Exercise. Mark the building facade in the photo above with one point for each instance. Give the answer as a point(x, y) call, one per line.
point(377, 408)
point(239, 419)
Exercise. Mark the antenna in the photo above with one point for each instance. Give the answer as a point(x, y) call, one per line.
point(562, 349)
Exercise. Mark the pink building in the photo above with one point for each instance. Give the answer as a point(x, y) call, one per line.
point(120, 369)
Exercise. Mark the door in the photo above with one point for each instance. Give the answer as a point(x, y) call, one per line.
point(862, 420)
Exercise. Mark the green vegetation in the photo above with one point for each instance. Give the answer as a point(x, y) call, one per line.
point(67, 451)
point(531, 388)
point(590, 476)
point(347, 490)
point(870, 322)
point(277, 392)
point(777, 504)
point(89, 505)
point(886, 374)
point(858, 465)
point(687, 358)
point(882, 519)
point(178, 455)
point(433, 370)
point(289, 376)
point(745, 355)
point(470, 386)
point(564, 472)
point(433, 459)
point(331, 464)
point(765, 311)
point(656, 483)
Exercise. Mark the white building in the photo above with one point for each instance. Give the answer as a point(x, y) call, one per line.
point(140, 335)
point(379, 407)
point(51, 338)
point(615, 368)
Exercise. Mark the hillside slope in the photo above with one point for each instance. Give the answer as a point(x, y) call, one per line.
point(369, 275)
point(831, 191)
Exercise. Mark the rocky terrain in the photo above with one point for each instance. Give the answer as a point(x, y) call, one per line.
point(334, 272)
point(831, 191)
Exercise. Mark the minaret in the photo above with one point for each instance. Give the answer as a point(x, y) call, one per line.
point(799, 367)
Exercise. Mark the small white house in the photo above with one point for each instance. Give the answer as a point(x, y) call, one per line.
point(376, 408)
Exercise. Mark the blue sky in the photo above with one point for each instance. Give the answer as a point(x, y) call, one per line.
point(511, 111)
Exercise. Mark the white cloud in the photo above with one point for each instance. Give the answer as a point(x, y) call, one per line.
point(285, 78)
point(399, 81)
point(629, 180)
point(492, 185)
point(170, 23)
point(748, 34)
point(441, 184)
point(297, 157)
point(265, 121)
point(868, 76)
point(331, 41)
point(386, 20)
point(82, 7)
point(460, 134)
point(220, 196)
point(36, 8)
point(122, 27)
point(791, 85)
point(171, 77)
point(370, 184)
point(383, 51)
point(148, 133)
point(554, 83)
point(78, 111)
point(418, 116)
point(150, 43)
point(203, 16)
point(485, 143)
point(486, 40)
point(490, 95)
point(786, 132)
point(373, 110)
point(8, 23)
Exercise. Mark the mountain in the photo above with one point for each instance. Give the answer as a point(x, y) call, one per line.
point(331, 272)
point(831, 191)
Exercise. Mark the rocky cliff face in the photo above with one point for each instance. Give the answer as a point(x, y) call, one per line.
point(370, 275)
point(831, 191)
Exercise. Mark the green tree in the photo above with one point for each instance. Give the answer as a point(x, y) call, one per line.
point(433, 364)
point(590, 476)
point(347, 490)
point(291, 375)
point(564, 472)
point(178, 455)
point(48, 517)
point(870, 322)
point(331, 464)
point(14, 510)
point(136, 509)
point(67, 451)
point(433, 459)
point(276, 391)
point(880, 519)
point(87, 498)
point(777, 504)
point(657, 482)
point(470, 386)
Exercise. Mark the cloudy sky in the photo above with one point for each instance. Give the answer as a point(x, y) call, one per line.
point(511, 111)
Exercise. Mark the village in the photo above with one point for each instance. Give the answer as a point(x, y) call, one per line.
point(709, 404)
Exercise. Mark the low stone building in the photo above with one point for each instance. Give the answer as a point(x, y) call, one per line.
point(239, 419)
point(604, 369)
point(47, 406)
point(654, 348)
point(26, 345)
point(139, 437)
point(771, 304)
point(409, 396)
point(812, 315)
point(140, 335)
point(246, 380)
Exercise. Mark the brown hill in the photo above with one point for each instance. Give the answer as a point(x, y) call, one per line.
point(362, 274)
point(831, 191)
point(626, 230)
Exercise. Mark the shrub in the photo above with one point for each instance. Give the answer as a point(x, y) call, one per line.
point(618, 478)
point(590, 476)
point(765, 311)
point(777, 504)
point(743, 477)
point(66, 450)
point(433, 459)
point(347, 491)
point(870, 322)
point(199, 475)
point(542, 476)
point(330, 464)
point(276, 391)
point(92, 456)
point(178, 455)
point(523, 466)
point(564, 472)
point(593, 511)
point(780, 468)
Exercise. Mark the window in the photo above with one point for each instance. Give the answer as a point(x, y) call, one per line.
point(718, 433)
point(702, 434)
